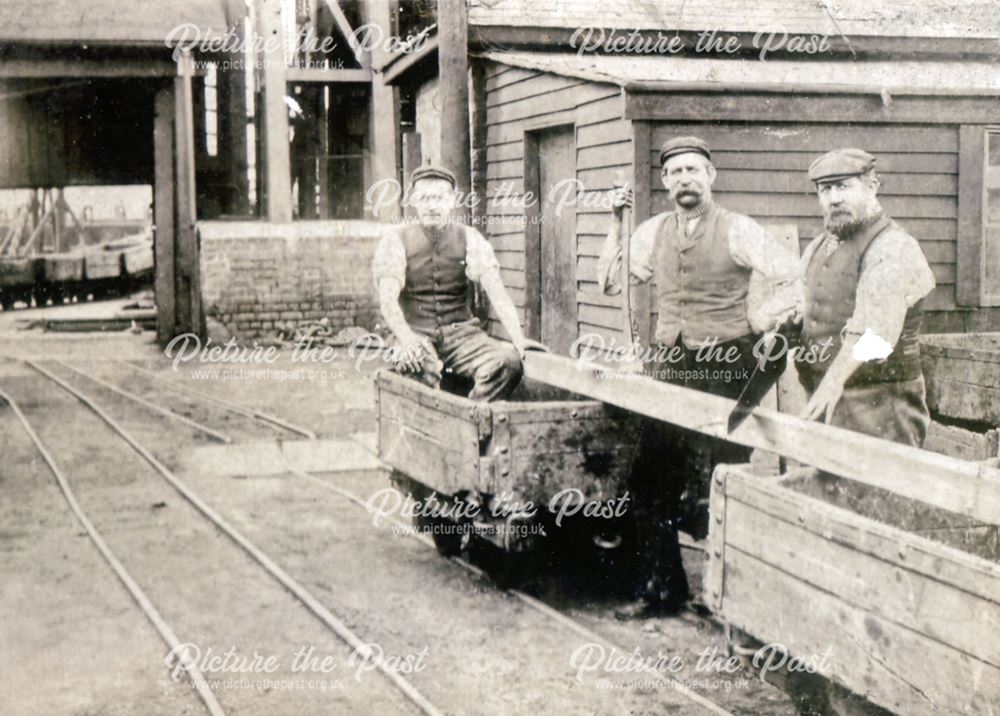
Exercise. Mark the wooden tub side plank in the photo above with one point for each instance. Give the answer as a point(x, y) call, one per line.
point(420, 457)
point(598, 475)
point(447, 430)
point(956, 399)
point(951, 566)
point(530, 412)
point(571, 435)
point(429, 436)
point(963, 381)
point(891, 666)
point(961, 443)
point(912, 623)
point(440, 400)
point(966, 488)
point(888, 589)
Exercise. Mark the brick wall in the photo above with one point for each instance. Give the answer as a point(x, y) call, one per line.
point(256, 274)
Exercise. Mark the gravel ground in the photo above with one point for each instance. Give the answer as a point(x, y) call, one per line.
point(79, 645)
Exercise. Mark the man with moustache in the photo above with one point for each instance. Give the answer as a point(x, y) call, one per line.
point(701, 257)
point(424, 274)
point(866, 279)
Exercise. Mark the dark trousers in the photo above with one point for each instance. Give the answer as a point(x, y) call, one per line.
point(465, 353)
point(672, 470)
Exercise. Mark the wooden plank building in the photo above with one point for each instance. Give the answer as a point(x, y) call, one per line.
point(913, 84)
point(181, 96)
point(765, 123)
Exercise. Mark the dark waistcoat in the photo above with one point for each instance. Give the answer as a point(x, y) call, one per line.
point(831, 289)
point(437, 290)
point(701, 291)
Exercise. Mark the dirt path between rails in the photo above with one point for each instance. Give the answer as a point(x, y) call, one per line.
point(486, 652)
point(206, 588)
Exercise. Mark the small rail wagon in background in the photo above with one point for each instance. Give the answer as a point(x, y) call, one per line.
point(510, 473)
point(98, 270)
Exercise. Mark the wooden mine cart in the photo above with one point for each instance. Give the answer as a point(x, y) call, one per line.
point(544, 450)
point(904, 597)
point(18, 277)
point(963, 376)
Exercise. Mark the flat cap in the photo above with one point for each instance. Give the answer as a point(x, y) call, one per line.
point(430, 171)
point(682, 145)
point(840, 164)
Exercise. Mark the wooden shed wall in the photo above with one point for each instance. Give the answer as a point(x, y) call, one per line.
point(519, 101)
point(762, 173)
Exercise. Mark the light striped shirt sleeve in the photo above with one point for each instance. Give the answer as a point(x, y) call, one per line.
point(894, 276)
point(479, 255)
point(609, 264)
point(752, 247)
point(390, 258)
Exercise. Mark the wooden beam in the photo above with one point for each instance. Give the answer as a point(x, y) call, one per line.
point(560, 39)
point(386, 140)
point(965, 488)
point(479, 149)
point(453, 88)
point(403, 62)
point(163, 213)
point(59, 220)
point(348, 32)
point(36, 233)
point(971, 176)
point(332, 74)
point(323, 164)
point(532, 239)
point(70, 68)
point(744, 103)
point(188, 292)
point(232, 117)
point(277, 162)
point(15, 231)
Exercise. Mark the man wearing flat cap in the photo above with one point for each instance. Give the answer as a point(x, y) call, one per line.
point(424, 272)
point(866, 279)
point(701, 257)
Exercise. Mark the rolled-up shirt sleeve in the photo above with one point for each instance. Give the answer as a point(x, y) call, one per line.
point(894, 276)
point(752, 247)
point(479, 255)
point(641, 244)
point(390, 259)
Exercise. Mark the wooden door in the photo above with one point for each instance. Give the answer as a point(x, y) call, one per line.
point(556, 157)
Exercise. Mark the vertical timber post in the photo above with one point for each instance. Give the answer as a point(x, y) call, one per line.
point(232, 115)
point(187, 286)
point(453, 90)
point(163, 207)
point(385, 108)
point(277, 162)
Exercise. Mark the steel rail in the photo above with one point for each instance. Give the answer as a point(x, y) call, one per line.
point(214, 434)
point(332, 622)
point(526, 599)
point(234, 407)
point(147, 607)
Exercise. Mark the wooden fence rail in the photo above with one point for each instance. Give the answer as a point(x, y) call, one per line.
point(966, 488)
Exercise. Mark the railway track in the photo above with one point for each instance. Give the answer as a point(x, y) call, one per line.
point(336, 626)
point(270, 425)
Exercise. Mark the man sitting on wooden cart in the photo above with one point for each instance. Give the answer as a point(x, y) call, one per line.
point(701, 257)
point(866, 279)
point(424, 274)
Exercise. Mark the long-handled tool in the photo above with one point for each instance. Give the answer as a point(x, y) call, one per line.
point(765, 374)
point(630, 324)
